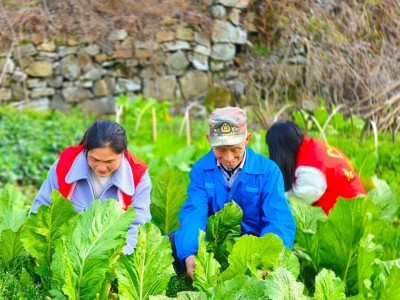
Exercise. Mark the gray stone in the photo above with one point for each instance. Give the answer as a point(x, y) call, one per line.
point(92, 50)
point(5, 94)
point(18, 92)
point(55, 82)
point(177, 61)
point(202, 40)
point(223, 52)
point(40, 104)
point(84, 84)
point(217, 65)
point(177, 45)
point(50, 56)
point(94, 74)
point(203, 50)
point(100, 106)
point(35, 83)
point(118, 35)
point(218, 12)
point(107, 47)
point(193, 84)
point(234, 3)
point(234, 16)
point(228, 33)
point(69, 67)
point(161, 88)
point(64, 50)
point(200, 62)
point(58, 103)
point(151, 45)
point(40, 69)
point(42, 92)
point(76, 94)
point(128, 85)
point(27, 50)
point(19, 76)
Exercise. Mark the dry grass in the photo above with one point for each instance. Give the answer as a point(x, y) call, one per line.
point(351, 50)
point(93, 19)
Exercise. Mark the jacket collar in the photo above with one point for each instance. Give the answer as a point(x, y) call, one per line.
point(251, 164)
point(122, 178)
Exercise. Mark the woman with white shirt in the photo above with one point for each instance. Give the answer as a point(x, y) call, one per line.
point(313, 170)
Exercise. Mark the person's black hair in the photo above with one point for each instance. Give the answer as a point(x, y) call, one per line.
point(284, 139)
point(105, 133)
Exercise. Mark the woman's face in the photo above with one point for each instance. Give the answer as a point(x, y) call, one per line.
point(104, 161)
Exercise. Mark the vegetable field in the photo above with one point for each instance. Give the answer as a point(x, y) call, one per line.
point(58, 253)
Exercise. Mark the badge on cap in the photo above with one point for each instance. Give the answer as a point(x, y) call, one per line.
point(226, 128)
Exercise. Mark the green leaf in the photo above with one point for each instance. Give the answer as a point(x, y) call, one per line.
point(10, 245)
point(289, 261)
point(63, 281)
point(385, 200)
point(168, 195)
point(148, 270)
point(252, 255)
point(186, 295)
point(90, 241)
point(223, 229)
point(340, 236)
point(328, 286)
point(43, 228)
point(207, 268)
point(239, 287)
point(281, 284)
point(369, 252)
point(307, 218)
point(12, 207)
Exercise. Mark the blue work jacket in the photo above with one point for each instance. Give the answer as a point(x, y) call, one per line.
point(258, 190)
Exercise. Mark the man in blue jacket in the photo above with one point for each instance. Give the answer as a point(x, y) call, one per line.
point(232, 171)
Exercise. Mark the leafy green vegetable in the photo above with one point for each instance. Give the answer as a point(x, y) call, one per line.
point(147, 271)
point(82, 255)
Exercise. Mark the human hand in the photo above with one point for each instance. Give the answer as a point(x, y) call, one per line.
point(190, 266)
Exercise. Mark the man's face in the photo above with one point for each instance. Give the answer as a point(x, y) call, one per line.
point(231, 156)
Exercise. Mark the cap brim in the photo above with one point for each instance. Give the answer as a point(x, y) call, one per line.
point(227, 140)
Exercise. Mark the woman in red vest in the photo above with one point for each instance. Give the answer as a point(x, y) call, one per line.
point(101, 167)
point(313, 171)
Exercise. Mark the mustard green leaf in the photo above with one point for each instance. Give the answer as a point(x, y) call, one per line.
point(252, 255)
point(207, 268)
point(168, 195)
point(94, 237)
point(328, 286)
point(148, 270)
point(239, 287)
point(223, 229)
point(41, 229)
point(281, 284)
point(10, 245)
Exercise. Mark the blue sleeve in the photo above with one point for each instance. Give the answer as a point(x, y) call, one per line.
point(50, 184)
point(277, 216)
point(193, 216)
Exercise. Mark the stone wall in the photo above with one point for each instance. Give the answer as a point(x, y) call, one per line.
point(178, 64)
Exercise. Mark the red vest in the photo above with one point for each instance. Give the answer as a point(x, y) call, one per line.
point(68, 156)
point(341, 178)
